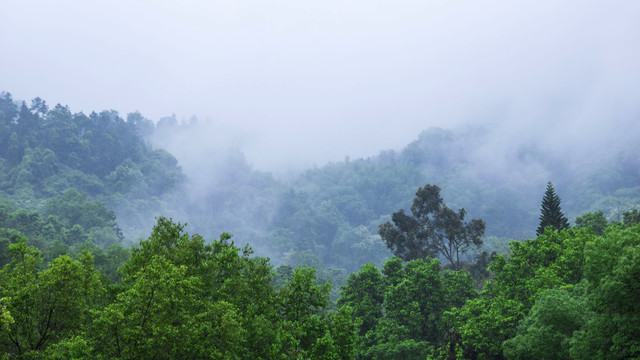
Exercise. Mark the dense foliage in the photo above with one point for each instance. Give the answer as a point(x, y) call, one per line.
point(76, 191)
point(331, 212)
point(176, 297)
point(567, 294)
point(46, 152)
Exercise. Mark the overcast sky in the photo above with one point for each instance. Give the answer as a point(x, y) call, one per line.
point(311, 81)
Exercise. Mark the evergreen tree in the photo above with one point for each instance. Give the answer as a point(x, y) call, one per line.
point(551, 214)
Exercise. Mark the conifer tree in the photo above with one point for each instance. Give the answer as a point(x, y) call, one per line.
point(551, 214)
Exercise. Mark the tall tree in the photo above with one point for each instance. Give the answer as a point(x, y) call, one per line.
point(432, 229)
point(550, 212)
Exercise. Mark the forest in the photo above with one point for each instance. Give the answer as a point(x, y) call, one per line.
point(118, 243)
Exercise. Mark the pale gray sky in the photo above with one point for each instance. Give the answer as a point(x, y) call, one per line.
point(311, 81)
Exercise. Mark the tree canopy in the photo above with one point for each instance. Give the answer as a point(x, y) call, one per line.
point(176, 297)
point(432, 230)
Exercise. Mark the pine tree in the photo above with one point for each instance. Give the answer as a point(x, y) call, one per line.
point(551, 214)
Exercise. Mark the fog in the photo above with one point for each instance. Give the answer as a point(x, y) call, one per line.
point(292, 84)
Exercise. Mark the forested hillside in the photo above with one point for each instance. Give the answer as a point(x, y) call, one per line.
point(335, 209)
point(77, 191)
point(324, 215)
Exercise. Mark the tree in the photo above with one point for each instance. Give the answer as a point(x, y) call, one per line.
point(594, 221)
point(400, 309)
point(46, 305)
point(631, 217)
point(432, 229)
point(365, 294)
point(162, 315)
point(551, 214)
point(546, 331)
point(553, 260)
point(611, 271)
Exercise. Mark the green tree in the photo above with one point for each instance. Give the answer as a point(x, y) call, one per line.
point(593, 220)
point(226, 273)
point(550, 212)
point(433, 229)
point(553, 260)
point(611, 271)
point(364, 293)
point(545, 333)
point(303, 322)
point(47, 305)
point(162, 315)
point(415, 300)
point(75, 208)
point(631, 217)
point(344, 333)
point(401, 309)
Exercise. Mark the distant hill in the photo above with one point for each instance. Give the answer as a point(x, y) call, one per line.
point(327, 215)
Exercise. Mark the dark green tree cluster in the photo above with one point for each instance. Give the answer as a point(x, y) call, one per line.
point(50, 150)
point(595, 221)
point(70, 224)
point(432, 230)
point(45, 152)
point(401, 307)
point(176, 298)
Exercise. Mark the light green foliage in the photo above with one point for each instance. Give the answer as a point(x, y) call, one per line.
point(364, 292)
point(553, 260)
point(305, 324)
point(178, 298)
point(225, 273)
point(396, 349)
point(324, 273)
point(457, 288)
point(612, 270)
point(162, 315)
point(546, 331)
point(215, 301)
point(344, 328)
point(567, 294)
point(5, 316)
point(46, 304)
point(73, 348)
point(106, 262)
point(302, 297)
point(484, 323)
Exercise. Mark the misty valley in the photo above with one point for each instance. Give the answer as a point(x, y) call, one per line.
point(125, 238)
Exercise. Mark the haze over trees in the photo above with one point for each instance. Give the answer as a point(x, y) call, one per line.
point(78, 281)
